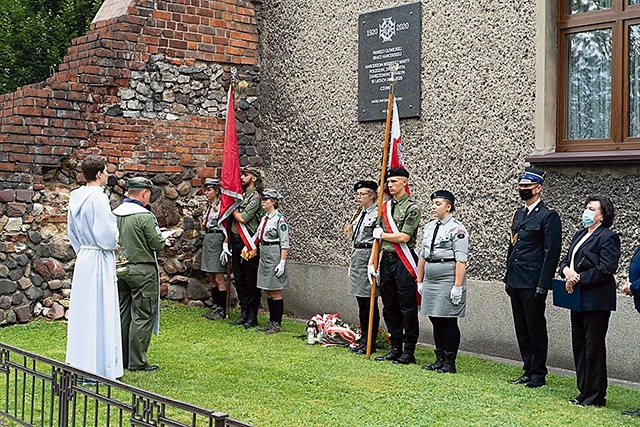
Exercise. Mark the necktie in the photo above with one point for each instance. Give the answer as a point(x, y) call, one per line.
point(356, 231)
point(206, 218)
point(433, 239)
point(393, 205)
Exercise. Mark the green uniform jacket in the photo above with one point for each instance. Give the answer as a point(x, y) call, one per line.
point(140, 236)
point(251, 210)
point(407, 217)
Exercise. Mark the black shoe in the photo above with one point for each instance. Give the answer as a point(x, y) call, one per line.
point(244, 315)
point(359, 347)
point(449, 365)
point(394, 354)
point(524, 379)
point(632, 413)
point(405, 359)
point(536, 382)
point(439, 363)
point(146, 368)
point(363, 350)
point(216, 313)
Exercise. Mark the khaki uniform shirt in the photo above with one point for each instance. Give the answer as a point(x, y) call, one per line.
point(251, 211)
point(406, 215)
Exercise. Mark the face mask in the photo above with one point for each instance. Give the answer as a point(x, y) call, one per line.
point(526, 194)
point(588, 218)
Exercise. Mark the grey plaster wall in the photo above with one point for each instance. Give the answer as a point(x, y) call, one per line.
point(487, 328)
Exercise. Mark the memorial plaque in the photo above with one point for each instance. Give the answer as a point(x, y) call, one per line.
point(385, 37)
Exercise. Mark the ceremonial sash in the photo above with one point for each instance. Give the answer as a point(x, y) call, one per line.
point(250, 242)
point(402, 250)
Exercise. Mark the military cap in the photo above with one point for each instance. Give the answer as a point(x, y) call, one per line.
point(402, 172)
point(532, 176)
point(212, 182)
point(139, 183)
point(365, 183)
point(271, 193)
point(253, 171)
point(443, 194)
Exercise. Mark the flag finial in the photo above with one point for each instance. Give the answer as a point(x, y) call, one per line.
point(394, 67)
point(234, 74)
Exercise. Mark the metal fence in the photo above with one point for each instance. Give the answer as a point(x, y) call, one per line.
point(41, 392)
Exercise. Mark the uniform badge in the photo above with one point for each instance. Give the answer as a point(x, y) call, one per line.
point(283, 227)
point(461, 234)
point(252, 203)
point(411, 217)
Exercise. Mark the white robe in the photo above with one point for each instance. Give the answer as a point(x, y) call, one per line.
point(93, 334)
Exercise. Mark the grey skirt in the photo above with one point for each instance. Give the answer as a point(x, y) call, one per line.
point(358, 285)
point(211, 250)
point(269, 259)
point(436, 291)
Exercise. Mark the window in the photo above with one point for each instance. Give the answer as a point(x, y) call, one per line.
point(598, 105)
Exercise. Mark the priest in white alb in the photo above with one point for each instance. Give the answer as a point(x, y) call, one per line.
point(93, 338)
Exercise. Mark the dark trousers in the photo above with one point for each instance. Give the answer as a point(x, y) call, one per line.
point(245, 275)
point(588, 333)
point(531, 331)
point(400, 308)
point(364, 307)
point(446, 333)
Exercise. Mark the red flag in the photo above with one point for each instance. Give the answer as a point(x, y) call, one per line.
point(396, 157)
point(230, 184)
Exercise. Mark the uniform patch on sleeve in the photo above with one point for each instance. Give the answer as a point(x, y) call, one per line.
point(462, 233)
point(412, 216)
point(252, 203)
point(283, 227)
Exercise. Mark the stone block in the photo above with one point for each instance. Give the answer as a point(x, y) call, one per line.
point(55, 284)
point(5, 302)
point(16, 274)
point(7, 287)
point(8, 318)
point(34, 293)
point(176, 293)
point(56, 311)
point(23, 314)
point(24, 283)
point(17, 298)
point(173, 266)
point(13, 225)
point(24, 195)
point(4, 271)
point(15, 209)
point(49, 268)
point(7, 195)
point(197, 290)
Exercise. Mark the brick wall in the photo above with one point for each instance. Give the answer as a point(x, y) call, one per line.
point(148, 91)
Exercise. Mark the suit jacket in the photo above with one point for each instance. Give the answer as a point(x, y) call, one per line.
point(634, 277)
point(598, 284)
point(534, 248)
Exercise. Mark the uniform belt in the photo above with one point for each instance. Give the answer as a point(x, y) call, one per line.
point(363, 246)
point(269, 243)
point(213, 231)
point(443, 260)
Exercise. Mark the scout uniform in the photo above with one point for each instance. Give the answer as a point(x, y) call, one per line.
point(139, 291)
point(358, 283)
point(211, 251)
point(244, 262)
point(274, 237)
point(534, 250)
point(445, 243)
point(398, 281)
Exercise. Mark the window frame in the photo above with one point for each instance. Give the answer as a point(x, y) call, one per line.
point(618, 18)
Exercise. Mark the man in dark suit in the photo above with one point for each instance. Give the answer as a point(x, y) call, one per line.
point(532, 259)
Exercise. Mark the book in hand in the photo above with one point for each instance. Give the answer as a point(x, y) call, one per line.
point(561, 298)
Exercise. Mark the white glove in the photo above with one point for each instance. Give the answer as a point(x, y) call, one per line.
point(225, 256)
point(280, 268)
point(377, 232)
point(420, 287)
point(371, 273)
point(456, 295)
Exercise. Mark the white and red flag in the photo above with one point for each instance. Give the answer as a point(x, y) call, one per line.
point(396, 157)
point(230, 184)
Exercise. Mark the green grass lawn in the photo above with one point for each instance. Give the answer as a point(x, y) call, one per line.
point(279, 380)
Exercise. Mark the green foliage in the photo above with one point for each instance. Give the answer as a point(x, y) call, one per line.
point(35, 35)
point(279, 380)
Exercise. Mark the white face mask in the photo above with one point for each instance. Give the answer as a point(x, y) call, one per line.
point(588, 218)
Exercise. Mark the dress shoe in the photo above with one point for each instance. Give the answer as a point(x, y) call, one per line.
point(522, 380)
point(632, 413)
point(405, 359)
point(146, 368)
point(439, 363)
point(394, 354)
point(535, 383)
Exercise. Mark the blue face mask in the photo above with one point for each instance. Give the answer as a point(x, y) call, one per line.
point(588, 218)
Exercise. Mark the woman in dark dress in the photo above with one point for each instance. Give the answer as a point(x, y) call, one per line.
point(590, 264)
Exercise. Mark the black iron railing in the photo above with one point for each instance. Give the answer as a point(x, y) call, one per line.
point(41, 392)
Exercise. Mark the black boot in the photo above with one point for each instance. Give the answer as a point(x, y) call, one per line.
point(252, 319)
point(394, 354)
point(449, 363)
point(407, 356)
point(244, 315)
point(439, 363)
point(363, 350)
point(359, 347)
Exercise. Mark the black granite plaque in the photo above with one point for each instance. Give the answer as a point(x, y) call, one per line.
point(385, 37)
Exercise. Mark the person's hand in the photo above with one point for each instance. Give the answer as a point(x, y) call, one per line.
point(225, 256)
point(571, 275)
point(371, 273)
point(280, 268)
point(627, 288)
point(541, 294)
point(569, 287)
point(420, 287)
point(377, 232)
point(456, 295)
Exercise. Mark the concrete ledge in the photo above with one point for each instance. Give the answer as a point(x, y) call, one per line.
point(486, 330)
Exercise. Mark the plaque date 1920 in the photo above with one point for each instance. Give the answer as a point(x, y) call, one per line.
point(400, 26)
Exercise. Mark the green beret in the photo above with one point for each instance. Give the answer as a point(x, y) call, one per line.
point(139, 183)
point(253, 171)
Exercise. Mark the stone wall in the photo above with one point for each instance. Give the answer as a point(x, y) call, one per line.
point(146, 87)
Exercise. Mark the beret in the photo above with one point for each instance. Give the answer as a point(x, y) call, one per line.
point(365, 183)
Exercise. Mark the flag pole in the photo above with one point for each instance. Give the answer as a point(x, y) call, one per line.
point(393, 68)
